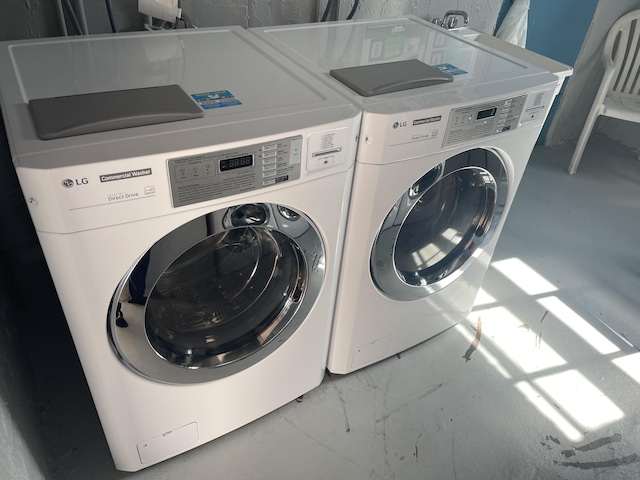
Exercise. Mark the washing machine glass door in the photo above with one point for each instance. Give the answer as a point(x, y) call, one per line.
point(211, 298)
point(440, 225)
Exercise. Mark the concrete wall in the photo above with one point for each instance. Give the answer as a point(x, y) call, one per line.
point(483, 14)
point(578, 96)
point(37, 18)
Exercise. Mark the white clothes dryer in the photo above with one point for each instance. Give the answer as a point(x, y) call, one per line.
point(439, 161)
point(191, 204)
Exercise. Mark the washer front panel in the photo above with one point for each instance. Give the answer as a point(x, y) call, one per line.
point(440, 225)
point(207, 176)
point(211, 298)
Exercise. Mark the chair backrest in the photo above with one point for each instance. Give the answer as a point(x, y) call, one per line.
point(621, 52)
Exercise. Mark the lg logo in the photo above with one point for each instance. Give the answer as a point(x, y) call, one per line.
point(399, 124)
point(68, 183)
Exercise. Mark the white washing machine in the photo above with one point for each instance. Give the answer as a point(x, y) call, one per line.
point(191, 204)
point(437, 168)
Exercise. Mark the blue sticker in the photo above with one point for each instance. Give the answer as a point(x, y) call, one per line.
point(450, 69)
point(219, 99)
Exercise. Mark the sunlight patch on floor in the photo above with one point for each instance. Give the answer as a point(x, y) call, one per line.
point(517, 340)
point(535, 398)
point(580, 399)
point(483, 298)
point(629, 364)
point(489, 357)
point(524, 277)
point(578, 325)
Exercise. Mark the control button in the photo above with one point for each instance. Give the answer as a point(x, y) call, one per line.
point(320, 162)
point(270, 154)
point(327, 161)
point(534, 115)
point(266, 148)
point(181, 174)
point(295, 151)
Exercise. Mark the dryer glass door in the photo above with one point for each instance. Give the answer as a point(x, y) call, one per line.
point(440, 225)
point(215, 304)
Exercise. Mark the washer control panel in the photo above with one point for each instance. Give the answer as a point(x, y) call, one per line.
point(207, 176)
point(477, 121)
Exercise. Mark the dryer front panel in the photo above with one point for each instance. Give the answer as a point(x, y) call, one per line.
point(439, 225)
point(218, 294)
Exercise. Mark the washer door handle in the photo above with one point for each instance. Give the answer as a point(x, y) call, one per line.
point(250, 214)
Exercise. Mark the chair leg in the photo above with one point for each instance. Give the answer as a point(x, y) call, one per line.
point(582, 141)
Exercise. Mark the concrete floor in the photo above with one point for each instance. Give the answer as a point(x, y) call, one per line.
point(550, 392)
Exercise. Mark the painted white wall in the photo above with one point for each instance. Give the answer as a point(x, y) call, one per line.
point(583, 85)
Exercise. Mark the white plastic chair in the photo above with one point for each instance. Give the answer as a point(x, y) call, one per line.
point(619, 92)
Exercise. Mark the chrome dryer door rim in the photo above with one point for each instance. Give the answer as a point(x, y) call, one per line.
point(440, 225)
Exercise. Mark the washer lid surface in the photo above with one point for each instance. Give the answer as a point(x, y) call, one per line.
point(200, 62)
point(227, 73)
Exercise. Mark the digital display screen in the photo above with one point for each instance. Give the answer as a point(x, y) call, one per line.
point(490, 112)
point(237, 162)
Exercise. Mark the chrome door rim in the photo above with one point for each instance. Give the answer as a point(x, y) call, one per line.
point(383, 268)
point(137, 349)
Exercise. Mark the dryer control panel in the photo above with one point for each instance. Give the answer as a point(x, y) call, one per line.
point(207, 176)
point(477, 121)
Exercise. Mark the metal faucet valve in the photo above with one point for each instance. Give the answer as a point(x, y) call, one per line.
point(450, 19)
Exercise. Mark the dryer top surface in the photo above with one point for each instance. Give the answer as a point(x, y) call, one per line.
point(478, 70)
point(225, 72)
